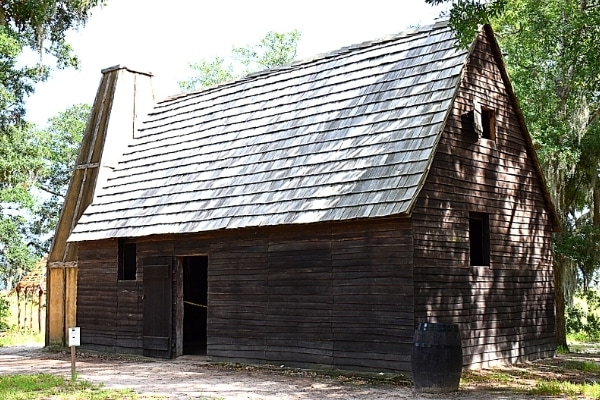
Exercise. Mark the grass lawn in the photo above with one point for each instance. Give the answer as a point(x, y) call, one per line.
point(572, 374)
point(22, 335)
point(46, 386)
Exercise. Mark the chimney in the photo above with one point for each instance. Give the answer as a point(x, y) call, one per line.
point(124, 97)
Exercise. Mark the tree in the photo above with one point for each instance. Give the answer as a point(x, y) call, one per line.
point(551, 50)
point(467, 15)
point(275, 49)
point(60, 140)
point(41, 26)
point(20, 165)
point(40, 162)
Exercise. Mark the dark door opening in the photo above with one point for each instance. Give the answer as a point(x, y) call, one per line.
point(195, 304)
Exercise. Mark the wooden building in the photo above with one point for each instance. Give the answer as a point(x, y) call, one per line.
point(312, 214)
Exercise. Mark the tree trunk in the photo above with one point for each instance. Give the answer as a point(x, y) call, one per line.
point(559, 290)
point(596, 205)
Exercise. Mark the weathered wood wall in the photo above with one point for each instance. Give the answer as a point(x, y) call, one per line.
point(338, 295)
point(334, 294)
point(505, 310)
point(108, 311)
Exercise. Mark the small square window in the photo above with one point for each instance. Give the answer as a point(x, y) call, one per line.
point(127, 261)
point(484, 121)
point(479, 239)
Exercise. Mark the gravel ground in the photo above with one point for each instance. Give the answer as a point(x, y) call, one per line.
point(193, 378)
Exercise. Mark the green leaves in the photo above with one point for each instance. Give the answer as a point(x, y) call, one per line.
point(20, 158)
point(20, 164)
point(15, 257)
point(467, 15)
point(41, 26)
point(4, 313)
point(61, 140)
point(35, 169)
point(208, 73)
point(552, 52)
point(31, 159)
point(275, 49)
point(581, 245)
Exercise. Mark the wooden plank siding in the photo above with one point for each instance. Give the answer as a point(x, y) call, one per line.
point(373, 316)
point(337, 295)
point(238, 297)
point(505, 310)
point(97, 295)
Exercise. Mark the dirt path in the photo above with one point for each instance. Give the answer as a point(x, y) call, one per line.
point(194, 378)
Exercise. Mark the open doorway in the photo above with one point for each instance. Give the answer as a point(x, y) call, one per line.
point(195, 302)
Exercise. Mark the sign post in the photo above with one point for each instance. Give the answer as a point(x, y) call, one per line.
point(74, 341)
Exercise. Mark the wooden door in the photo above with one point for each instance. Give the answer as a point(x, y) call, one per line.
point(157, 330)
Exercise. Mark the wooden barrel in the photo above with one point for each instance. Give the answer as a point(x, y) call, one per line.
point(436, 357)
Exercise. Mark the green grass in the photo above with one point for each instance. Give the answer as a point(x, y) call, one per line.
point(570, 377)
point(497, 377)
point(46, 386)
point(556, 388)
point(582, 347)
point(16, 337)
point(562, 350)
point(585, 366)
point(581, 337)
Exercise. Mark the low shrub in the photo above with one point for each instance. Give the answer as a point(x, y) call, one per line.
point(4, 312)
point(582, 317)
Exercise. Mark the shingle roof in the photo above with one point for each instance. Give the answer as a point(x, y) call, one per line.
point(346, 135)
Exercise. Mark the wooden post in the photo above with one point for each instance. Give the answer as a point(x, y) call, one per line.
point(31, 311)
point(73, 363)
point(41, 294)
point(61, 304)
point(18, 309)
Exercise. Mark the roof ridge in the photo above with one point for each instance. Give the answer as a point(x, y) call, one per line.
point(342, 51)
point(411, 31)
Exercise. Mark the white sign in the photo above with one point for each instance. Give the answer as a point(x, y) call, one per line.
point(74, 338)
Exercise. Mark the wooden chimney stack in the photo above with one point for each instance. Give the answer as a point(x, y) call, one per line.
point(123, 98)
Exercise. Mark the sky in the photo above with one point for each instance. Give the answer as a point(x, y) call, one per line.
point(163, 37)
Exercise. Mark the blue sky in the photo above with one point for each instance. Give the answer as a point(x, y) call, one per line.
point(164, 37)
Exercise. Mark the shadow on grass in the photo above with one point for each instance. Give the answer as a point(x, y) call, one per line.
point(570, 374)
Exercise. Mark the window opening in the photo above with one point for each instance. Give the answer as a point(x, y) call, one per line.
point(479, 239)
point(127, 261)
point(484, 121)
point(488, 124)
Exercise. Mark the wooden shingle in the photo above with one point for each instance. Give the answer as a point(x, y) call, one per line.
point(346, 135)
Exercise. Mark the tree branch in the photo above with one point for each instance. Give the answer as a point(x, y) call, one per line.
point(45, 189)
point(594, 117)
